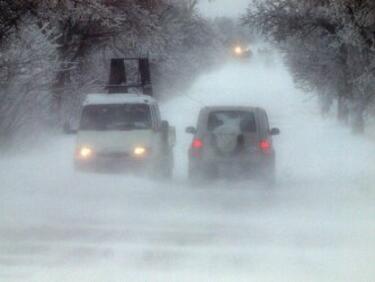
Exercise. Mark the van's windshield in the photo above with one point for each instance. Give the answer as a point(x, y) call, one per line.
point(116, 117)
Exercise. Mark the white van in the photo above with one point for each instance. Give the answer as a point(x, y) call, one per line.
point(123, 132)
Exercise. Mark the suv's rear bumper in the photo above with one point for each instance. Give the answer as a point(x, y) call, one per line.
point(260, 167)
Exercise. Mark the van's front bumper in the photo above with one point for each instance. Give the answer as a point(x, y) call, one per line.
point(114, 162)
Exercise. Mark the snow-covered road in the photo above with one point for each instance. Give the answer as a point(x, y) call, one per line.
point(318, 224)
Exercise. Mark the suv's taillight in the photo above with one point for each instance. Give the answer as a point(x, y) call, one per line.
point(265, 146)
point(197, 144)
point(196, 147)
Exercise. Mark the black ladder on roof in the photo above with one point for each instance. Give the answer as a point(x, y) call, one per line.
point(118, 79)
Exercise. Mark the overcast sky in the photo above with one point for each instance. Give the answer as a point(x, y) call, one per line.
point(229, 8)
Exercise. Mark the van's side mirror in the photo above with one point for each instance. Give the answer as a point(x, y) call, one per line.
point(275, 131)
point(191, 130)
point(68, 129)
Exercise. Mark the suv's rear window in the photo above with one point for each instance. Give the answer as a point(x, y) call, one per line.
point(243, 121)
point(116, 117)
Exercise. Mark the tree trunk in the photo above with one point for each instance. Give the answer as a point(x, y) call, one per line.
point(343, 110)
point(61, 81)
point(345, 88)
point(358, 120)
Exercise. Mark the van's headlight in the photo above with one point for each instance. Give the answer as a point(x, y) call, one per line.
point(85, 153)
point(140, 151)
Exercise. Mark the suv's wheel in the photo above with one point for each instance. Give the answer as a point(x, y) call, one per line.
point(194, 174)
point(199, 173)
point(270, 180)
point(269, 176)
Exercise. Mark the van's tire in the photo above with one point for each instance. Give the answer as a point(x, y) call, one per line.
point(165, 167)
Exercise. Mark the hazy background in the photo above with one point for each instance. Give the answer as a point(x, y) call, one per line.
point(228, 8)
point(317, 224)
point(57, 224)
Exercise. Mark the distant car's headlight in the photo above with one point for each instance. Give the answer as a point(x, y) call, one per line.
point(238, 50)
point(140, 151)
point(85, 153)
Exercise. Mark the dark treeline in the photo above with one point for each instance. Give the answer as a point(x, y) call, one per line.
point(329, 46)
point(54, 51)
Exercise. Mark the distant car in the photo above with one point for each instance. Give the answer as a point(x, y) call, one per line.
point(241, 52)
point(234, 141)
point(124, 132)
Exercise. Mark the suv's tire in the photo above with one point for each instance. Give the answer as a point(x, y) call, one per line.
point(166, 171)
point(202, 173)
point(270, 181)
point(195, 175)
point(269, 176)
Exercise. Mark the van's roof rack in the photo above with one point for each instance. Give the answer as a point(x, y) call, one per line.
point(118, 79)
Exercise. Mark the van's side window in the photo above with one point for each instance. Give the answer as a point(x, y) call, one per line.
point(157, 116)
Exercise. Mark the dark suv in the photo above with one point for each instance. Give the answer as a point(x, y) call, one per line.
point(232, 141)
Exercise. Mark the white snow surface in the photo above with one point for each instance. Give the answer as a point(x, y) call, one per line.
point(318, 224)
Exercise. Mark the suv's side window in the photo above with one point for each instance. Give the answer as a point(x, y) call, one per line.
point(203, 115)
point(263, 120)
point(267, 124)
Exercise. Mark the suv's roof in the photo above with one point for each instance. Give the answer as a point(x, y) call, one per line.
point(106, 99)
point(229, 108)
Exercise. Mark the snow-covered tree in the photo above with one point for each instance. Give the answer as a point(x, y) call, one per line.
point(72, 43)
point(329, 45)
point(28, 62)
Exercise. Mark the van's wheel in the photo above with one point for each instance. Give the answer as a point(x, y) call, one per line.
point(165, 168)
point(166, 171)
point(194, 175)
point(166, 165)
